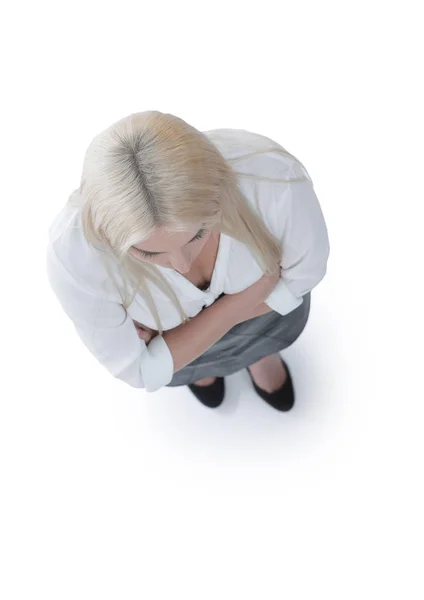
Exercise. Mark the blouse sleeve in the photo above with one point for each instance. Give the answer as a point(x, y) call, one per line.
point(305, 245)
point(109, 332)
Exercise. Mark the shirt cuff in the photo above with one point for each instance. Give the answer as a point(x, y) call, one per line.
point(158, 370)
point(282, 300)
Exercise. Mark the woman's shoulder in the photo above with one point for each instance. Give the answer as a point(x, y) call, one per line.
point(253, 155)
point(269, 176)
point(71, 256)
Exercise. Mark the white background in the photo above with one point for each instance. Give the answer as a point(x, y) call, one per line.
point(109, 492)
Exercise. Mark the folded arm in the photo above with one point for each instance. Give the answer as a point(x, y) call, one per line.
point(299, 221)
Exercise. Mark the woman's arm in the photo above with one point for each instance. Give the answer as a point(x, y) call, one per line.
point(259, 310)
point(189, 340)
point(298, 221)
point(146, 333)
point(107, 330)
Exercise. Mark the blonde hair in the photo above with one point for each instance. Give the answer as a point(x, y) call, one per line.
point(152, 169)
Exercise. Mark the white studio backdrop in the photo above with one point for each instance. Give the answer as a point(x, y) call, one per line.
point(108, 492)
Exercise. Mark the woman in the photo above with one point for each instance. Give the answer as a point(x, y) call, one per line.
point(185, 256)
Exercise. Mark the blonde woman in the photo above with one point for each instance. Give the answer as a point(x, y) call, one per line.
point(185, 256)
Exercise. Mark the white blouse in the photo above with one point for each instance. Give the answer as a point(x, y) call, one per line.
point(281, 191)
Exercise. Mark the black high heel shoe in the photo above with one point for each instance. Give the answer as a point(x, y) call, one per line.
point(283, 398)
point(210, 395)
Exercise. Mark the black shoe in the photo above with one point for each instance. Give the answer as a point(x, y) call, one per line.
point(283, 398)
point(210, 395)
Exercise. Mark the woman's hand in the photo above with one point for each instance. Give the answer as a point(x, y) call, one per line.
point(144, 332)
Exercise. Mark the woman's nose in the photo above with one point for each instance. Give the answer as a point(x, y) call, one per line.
point(181, 263)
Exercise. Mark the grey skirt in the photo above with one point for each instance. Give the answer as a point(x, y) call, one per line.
point(246, 343)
